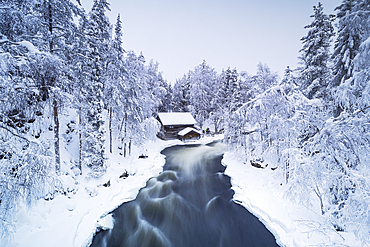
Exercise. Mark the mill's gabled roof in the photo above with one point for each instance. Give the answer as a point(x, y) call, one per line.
point(176, 118)
point(188, 130)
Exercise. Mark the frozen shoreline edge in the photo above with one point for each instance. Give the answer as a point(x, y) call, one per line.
point(157, 165)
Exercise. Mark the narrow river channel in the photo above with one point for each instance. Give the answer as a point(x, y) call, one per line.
point(188, 204)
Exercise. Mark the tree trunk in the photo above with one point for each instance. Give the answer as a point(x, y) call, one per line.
point(317, 192)
point(55, 102)
point(129, 148)
point(80, 141)
point(215, 122)
point(51, 27)
point(125, 135)
point(56, 136)
point(287, 163)
point(110, 130)
point(287, 170)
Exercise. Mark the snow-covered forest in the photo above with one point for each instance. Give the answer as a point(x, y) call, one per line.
point(71, 95)
point(64, 74)
point(313, 125)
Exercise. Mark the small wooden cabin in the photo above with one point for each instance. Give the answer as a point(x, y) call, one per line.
point(189, 133)
point(174, 122)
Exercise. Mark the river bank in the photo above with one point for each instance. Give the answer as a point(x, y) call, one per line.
point(189, 204)
point(71, 219)
point(293, 225)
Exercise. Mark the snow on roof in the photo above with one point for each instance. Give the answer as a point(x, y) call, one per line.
point(176, 118)
point(187, 130)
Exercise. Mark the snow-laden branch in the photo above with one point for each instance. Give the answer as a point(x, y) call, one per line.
point(14, 134)
point(361, 110)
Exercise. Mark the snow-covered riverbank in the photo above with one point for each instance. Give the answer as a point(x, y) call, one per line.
point(293, 225)
point(71, 219)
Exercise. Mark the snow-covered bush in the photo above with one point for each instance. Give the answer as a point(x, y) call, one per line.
point(26, 174)
point(150, 128)
point(272, 123)
point(342, 149)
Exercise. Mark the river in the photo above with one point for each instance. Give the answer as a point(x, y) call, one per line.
point(188, 204)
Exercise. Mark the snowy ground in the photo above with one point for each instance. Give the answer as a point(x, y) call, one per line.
point(292, 224)
point(71, 220)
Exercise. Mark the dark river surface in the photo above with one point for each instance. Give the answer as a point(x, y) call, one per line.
point(188, 204)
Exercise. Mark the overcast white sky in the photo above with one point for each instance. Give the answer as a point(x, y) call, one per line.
point(180, 34)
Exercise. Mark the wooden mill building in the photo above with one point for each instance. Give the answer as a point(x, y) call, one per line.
point(177, 125)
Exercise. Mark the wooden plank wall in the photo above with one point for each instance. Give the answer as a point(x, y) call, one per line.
point(172, 131)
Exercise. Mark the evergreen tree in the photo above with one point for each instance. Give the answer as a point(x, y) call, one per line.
point(219, 110)
point(347, 43)
point(353, 29)
point(315, 54)
point(80, 68)
point(59, 31)
point(234, 94)
point(265, 78)
point(116, 74)
point(156, 85)
point(354, 95)
point(117, 42)
point(289, 81)
point(167, 99)
point(247, 86)
point(98, 38)
point(181, 95)
point(201, 91)
point(132, 101)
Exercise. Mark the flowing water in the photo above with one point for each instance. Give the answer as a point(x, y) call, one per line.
point(188, 204)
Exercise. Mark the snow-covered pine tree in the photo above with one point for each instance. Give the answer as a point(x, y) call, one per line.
point(265, 78)
point(57, 28)
point(98, 38)
point(116, 73)
point(157, 87)
point(181, 95)
point(131, 102)
point(176, 96)
point(360, 88)
point(315, 55)
point(81, 71)
point(201, 91)
point(353, 29)
point(289, 81)
point(232, 89)
point(219, 110)
point(235, 94)
point(246, 86)
point(167, 98)
point(117, 41)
